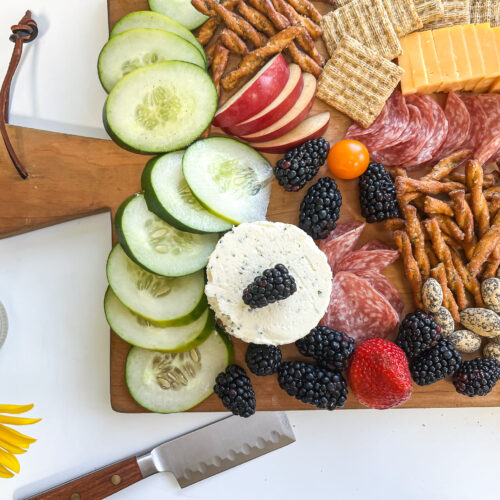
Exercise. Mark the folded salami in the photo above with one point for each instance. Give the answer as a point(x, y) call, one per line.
point(341, 241)
point(375, 260)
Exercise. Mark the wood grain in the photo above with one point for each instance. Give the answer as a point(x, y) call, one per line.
point(73, 176)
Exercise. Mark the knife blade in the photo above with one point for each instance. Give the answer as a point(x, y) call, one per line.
point(191, 457)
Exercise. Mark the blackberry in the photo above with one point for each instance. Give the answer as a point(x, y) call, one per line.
point(476, 377)
point(236, 391)
point(313, 384)
point(377, 194)
point(417, 333)
point(272, 285)
point(301, 164)
point(320, 208)
point(263, 359)
point(326, 346)
point(435, 363)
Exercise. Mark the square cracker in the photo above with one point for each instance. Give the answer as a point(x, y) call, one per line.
point(357, 81)
point(365, 20)
point(430, 10)
point(456, 12)
point(403, 15)
point(481, 11)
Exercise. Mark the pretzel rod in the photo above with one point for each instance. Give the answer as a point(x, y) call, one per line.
point(209, 51)
point(394, 224)
point(206, 9)
point(449, 226)
point(267, 8)
point(450, 241)
point(436, 206)
point(463, 215)
point(485, 247)
point(254, 59)
point(306, 64)
point(439, 274)
point(406, 185)
point(411, 269)
point(296, 19)
point(492, 264)
point(239, 25)
point(493, 206)
point(489, 180)
point(417, 238)
point(474, 178)
point(397, 172)
point(443, 253)
point(233, 42)
point(306, 8)
point(256, 19)
point(470, 282)
point(221, 56)
point(446, 166)
point(433, 260)
point(207, 30)
point(492, 192)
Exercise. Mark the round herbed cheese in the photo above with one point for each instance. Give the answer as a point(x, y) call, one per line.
point(244, 253)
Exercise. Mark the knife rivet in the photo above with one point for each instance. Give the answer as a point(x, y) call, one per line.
point(116, 479)
point(75, 496)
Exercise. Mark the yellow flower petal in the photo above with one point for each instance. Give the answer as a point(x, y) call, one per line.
point(4, 419)
point(11, 448)
point(5, 473)
point(15, 409)
point(15, 437)
point(10, 461)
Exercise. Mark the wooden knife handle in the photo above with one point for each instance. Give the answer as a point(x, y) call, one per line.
point(97, 485)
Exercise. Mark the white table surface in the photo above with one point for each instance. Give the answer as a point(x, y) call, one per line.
point(57, 353)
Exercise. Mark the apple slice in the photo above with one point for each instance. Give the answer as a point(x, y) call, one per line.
point(278, 108)
point(255, 95)
point(295, 116)
point(311, 128)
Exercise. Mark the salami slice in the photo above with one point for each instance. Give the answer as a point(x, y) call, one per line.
point(491, 107)
point(432, 112)
point(375, 245)
point(337, 248)
point(459, 122)
point(376, 260)
point(478, 122)
point(356, 130)
point(342, 228)
point(487, 150)
point(408, 145)
point(392, 127)
point(357, 309)
point(383, 285)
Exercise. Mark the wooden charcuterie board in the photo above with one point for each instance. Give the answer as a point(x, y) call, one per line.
point(73, 177)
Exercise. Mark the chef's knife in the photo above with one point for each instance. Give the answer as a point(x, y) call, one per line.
point(191, 457)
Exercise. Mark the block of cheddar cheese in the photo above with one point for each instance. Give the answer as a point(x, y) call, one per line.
point(475, 56)
point(496, 35)
point(460, 53)
point(447, 60)
point(415, 75)
point(491, 58)
point(431, 64)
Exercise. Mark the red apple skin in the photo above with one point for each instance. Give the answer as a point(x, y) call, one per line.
point(250, 126)
point(294, 122)
point(257, 96)
point(278, 147)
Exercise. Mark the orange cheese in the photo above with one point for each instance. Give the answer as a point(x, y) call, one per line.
point(414, 64)
point(407, 86)
point(475, 56)
point(496, 35)
point(460, 54)
point(431, 63)
point(491, 58)
point(447, 60)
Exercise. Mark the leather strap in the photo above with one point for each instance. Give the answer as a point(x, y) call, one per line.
point(22, 33)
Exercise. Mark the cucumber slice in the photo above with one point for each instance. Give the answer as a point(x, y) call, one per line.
point(159, 300)
point(148, 19)
point(158, 246)
point(169, 197)
point(161, 108)
point(140, 47)
point(140, 332)
point(229, 178)
point(180, 10)
point(169, 382)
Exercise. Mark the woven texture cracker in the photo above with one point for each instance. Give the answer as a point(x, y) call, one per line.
point(481, 11)
point(358, 81)
point(456, 12)
point(341, 3)
point(430, 10)
point(403, 15)
point(365, 20)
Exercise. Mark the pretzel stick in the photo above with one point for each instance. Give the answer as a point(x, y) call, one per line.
point(267, 8)
point(439, 273)
point(306, 8)
point(296, 19)
point(233, 42)
point(443, 253)
point(491, 192)
point(417, 238)
point(474, 178)
point(470, 282)
point(210, 53)
point(256, 19)
point(450, 241)
point(433, 260)
point(493, 206)
point(492, 265)
point(221, 56)
point(208, 30)
point(489, 180)
point(254, 59)
point(412, 272)
point(437, 206)
point(425, 186)
point(485, 247)
point(394, 224)
point(306, 64)
point(449, 226)
point(206, 9)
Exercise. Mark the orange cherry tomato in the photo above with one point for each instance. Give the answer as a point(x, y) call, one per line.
point(348, 159)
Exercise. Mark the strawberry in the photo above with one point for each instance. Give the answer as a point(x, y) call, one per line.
point(379, 375)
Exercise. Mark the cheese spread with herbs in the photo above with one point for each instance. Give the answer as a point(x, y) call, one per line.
point(244, 253)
